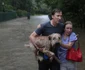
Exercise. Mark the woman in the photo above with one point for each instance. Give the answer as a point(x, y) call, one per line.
point(68, 40)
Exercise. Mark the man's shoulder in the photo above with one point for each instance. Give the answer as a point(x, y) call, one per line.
point(45, 24)
point(61, 24)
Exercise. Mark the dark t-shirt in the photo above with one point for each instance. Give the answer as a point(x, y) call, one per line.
point(47, 29)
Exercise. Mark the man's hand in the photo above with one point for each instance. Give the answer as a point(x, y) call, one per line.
point(50, 54)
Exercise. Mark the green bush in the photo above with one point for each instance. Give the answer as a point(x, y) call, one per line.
point(21, 13)
point(8, 8)
point(4, 16)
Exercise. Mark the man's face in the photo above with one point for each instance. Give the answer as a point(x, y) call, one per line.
point(57, 17)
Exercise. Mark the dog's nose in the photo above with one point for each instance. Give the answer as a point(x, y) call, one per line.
point(59, 38)
point(57, 43)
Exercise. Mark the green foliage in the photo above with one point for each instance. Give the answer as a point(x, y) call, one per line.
point(21, 13)
point(74, 10)
point(8, 8)
point(4, 16)
point(22, 4)
point(42, 7)
point(52, 3)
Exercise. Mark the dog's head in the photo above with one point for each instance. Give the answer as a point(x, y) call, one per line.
point(55, 38)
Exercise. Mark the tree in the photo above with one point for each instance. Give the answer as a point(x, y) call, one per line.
point(75, 10)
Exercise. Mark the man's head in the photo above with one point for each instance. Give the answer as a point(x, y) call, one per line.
point(56, 15)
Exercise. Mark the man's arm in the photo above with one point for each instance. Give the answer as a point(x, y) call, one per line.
point(32, 38)
point(33, 35)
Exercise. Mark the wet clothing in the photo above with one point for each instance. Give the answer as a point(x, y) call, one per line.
point(45, 30)
point(68, 66)
point(63, 51)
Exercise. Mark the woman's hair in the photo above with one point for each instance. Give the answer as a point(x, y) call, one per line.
point(67, 22)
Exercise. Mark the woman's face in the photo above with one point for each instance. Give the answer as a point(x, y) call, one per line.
point(68, 29)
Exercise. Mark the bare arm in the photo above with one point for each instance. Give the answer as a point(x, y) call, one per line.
point(68, 46)
point(33, 35)
point(32, 38)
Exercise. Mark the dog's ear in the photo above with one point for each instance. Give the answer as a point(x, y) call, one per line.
point(49, 37)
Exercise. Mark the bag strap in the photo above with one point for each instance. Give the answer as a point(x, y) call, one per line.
point(78, 40)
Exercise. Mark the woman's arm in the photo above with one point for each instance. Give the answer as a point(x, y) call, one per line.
point(72, 40)
point(68, 46)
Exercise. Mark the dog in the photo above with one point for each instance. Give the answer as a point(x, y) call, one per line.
point(45, 42)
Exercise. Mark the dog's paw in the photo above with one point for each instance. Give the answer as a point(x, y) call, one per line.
point(39, 58)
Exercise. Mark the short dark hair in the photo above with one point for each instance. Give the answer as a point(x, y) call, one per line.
point(53, 12)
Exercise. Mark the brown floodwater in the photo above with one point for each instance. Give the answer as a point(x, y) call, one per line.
point(14, 34)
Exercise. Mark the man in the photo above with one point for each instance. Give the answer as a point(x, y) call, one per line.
point(53, 26)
